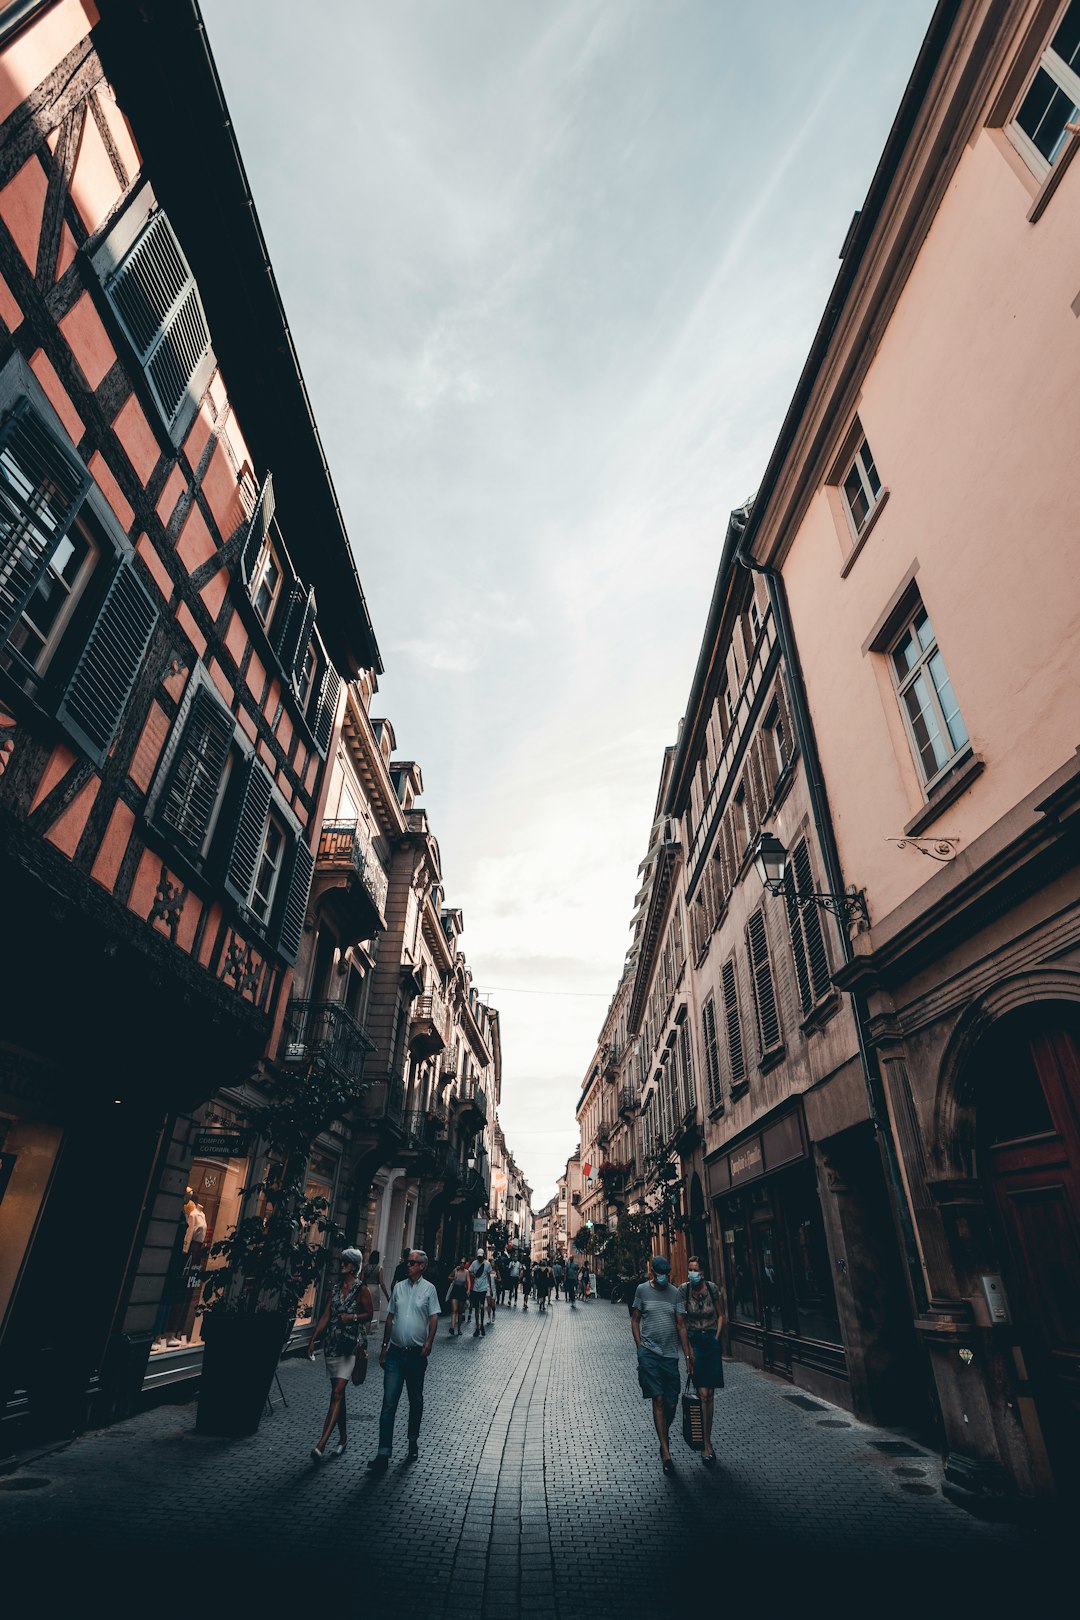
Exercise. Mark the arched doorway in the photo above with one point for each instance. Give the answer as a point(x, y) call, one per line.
point(1028, 1142)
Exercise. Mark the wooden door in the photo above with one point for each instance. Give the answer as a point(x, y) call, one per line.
point(1031, 1142)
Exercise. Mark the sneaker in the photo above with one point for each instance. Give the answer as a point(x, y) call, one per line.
point(379, 1464)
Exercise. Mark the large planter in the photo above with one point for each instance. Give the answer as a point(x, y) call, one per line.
point(239, 1363)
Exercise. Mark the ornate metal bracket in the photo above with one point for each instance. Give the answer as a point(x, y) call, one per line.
point(847, 908)
point(935, 849)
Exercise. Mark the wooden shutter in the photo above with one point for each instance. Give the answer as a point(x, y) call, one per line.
point(42, 487)
point(770, 765)
point(194, 781)
point(261, 518)
point(712, 1057)
point(783, 704)
point(688, 1065)
point(155, 295)
point(109, 665)
point(297, 623)
point(768, 1017)
point(248, 831)
point(817, 956)
point(798, 948)
point(327, 709)
point(295, 908)
point(736, 1054)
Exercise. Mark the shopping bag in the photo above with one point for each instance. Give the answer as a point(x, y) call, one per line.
point(693, 1418)
point(359, 1372)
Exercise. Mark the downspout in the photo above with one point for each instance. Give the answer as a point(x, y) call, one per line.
point(878, 1112)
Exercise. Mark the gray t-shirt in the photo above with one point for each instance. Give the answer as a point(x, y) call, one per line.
point(657, 1307)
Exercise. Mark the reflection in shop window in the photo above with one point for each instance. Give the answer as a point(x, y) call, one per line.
point(318, 1185)
point(743, 1302)
point(211, 1209)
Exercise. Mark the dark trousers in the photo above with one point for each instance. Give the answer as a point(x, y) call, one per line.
point(404, 1369)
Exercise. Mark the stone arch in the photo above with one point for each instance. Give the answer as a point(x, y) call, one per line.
point(953, 1146)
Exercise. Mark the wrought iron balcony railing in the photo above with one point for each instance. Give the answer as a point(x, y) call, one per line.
point(385, 1100)
point(343, 843)
point(627, 1099)
point(325, 1032)
point(604, 1132)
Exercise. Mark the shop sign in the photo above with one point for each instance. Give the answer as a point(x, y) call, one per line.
point(480, 1224)
point(747, 1162)
point(222, 1144)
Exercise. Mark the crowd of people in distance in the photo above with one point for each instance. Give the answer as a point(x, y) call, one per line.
point(663, 1319)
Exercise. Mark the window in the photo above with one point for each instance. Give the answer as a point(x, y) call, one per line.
point(1051, 100)
point(861, 487)
point(154, 294)
point(733, 1026)
point(932, 717)
point(42, 622)
point(266, 587)
point(761, 979)
point(712, 1056)
point(807, 936)
point(192, 794)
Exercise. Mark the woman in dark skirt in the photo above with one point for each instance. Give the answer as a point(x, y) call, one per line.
point(699, 1315)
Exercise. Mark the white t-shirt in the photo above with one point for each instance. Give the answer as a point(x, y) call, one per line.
point(481, 1276)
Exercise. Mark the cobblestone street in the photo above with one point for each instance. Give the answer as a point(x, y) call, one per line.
point(538, 1491)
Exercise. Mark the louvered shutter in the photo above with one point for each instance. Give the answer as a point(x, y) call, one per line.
point(688, 1065)
point(798, 948)
point(109, 665)
point(295, 908)
point(298, 621)
point(155, 295)
point(770, 765)
point(261, 518)
point(817, 956)
point(712, 1062)
point(248, 832)
point(783, 703)
point(42, 487)
point(194, 781)
point(768, 1017)
point(736, 1055)
point(755, 789)
point(325, 713)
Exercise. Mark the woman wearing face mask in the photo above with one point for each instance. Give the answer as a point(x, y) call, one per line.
point(699, 1313)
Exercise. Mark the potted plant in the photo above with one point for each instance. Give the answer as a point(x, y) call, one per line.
point(270, 1259)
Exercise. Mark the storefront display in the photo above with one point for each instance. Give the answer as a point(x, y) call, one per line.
point(319, 1184)
point(211, 1207)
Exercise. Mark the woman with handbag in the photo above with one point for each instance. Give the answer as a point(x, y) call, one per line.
point(699, 1317)
point(347, 1309)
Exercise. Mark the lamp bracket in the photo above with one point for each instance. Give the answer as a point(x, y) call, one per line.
point(847, 908)
point(936, 849)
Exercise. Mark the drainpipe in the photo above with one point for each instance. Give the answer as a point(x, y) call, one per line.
point(879, 1116)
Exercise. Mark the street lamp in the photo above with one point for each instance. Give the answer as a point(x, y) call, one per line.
point(771, 863)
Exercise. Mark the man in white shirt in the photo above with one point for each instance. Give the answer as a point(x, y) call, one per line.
point(408, 1334)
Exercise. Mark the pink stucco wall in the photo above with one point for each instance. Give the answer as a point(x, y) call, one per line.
point(971, 406)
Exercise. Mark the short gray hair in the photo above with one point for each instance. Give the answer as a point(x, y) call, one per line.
point(420, 1254)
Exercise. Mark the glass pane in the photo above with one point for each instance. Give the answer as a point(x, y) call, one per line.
point(1044, 112)
point(1066, 41)
point(928, 740)
point(906, 655)
point(924, 630)
point(771, 1297)
point(858, 505)
point(949, 706)
point(870, 470)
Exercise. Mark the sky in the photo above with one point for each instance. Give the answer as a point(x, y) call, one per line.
point(552, 268)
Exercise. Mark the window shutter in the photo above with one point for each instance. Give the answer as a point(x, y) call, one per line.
point(295, 909)
point(261, 518)
point(798, 948)
point(109, 665)
point(188, 801)
point(768, 1017)
point(736, 1055)
point(770, 765)
point(327, 709)
point(712, 1063)
point(296, 627)
point(756, 796)
point(155, 295)
point(250, 825)
point(42, 487)
point(817, 956)
point(784, 705)
point(688, 1065)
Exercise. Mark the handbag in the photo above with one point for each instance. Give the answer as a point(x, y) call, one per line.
point(693, 1418)
point(359, 1372)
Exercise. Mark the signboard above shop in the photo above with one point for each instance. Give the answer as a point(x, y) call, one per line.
point(779, 1144)
point(222, 1144)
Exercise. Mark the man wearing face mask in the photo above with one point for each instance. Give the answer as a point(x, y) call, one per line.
point(699, 1316)
point(653, 1324)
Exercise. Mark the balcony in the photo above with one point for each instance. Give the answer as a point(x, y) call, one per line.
point(351, 882)
point(428, 1024)
point(324, 1032)
point(384, 1102)
point(472, 1107)
point(604, 1132)
point(628, 1101)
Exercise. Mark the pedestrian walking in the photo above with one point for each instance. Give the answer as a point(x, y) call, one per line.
point(515, 1280)
point(481, 1293)
point(572, 1273)
point(653, 1324)
point(459, 1295)
point(586, 1281)
point(699, 1318)
point(526, 1281)
point(542, 1278)
point(557, 1276)
point(346, 1312)
point(408, 1335)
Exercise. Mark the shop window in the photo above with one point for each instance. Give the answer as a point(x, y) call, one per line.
point(1050, 101)
point(761, 980)
point(210, 1212)
point(153, 292)
point(738, 1268)
point(808, 950)
point(811, 1272)
point(318, 1191)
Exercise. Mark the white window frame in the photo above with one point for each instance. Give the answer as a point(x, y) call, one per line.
point(902, 684)
point(51, 641)
point(1066, 80)
point(860, 465)
point(272, 820)
point(267, 555)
